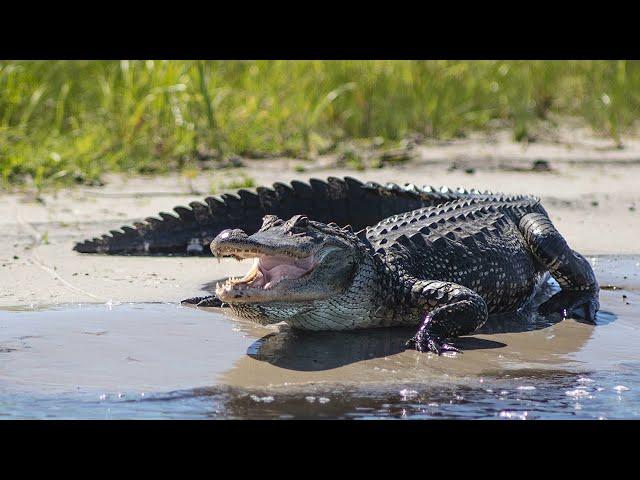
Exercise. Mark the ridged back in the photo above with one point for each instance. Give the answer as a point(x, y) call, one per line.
point(343, 201)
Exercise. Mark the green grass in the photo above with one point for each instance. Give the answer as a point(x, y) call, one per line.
point(64, 122)
point(243, 181)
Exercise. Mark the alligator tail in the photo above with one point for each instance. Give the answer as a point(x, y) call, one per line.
point(343, 201)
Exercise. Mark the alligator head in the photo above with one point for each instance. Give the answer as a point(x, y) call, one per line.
point(298, 265)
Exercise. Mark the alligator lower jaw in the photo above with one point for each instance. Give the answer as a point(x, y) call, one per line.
point(268, 280)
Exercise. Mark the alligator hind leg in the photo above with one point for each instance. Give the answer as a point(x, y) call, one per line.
point(208, 301)
point(573, 272)
point(453, 310)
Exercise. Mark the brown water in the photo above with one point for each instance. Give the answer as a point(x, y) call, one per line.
point(166, 361)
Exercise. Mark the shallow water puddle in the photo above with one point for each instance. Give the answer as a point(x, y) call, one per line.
point(159, 360)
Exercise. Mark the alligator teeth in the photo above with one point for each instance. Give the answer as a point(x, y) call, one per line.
point(253, 271)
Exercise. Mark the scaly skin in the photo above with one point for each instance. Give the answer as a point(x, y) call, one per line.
point(443, 267)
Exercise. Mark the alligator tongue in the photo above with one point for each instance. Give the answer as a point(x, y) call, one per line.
point(273, 269)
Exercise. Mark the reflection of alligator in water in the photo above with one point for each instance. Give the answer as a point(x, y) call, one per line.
point(437, 258)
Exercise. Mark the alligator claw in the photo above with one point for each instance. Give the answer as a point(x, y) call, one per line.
point(569, 303)
point(191, 301)
point(428, 343)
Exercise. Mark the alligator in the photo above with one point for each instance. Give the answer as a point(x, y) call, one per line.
point(343, 255)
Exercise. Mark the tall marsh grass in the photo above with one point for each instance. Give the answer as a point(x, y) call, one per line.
point(71, 121)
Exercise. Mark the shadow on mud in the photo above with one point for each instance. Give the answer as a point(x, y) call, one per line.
point(315, 351)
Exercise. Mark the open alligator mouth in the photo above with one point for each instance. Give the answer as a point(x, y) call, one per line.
point(267, 279)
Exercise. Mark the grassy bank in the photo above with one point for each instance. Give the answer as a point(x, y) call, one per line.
point(64, 122)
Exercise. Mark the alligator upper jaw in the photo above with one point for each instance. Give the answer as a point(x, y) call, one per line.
point(269, 279)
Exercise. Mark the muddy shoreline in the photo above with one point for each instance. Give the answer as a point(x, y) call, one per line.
point(161, 360)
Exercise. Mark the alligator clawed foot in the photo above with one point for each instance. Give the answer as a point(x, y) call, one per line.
point(568, 303)
point(209, 301)
point(429, 343)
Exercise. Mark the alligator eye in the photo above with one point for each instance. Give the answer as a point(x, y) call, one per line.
point(299, 223)
point(302, 222)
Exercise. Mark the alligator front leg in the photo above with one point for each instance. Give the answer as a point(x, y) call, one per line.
point(453, 310)
point(579, 294)
point(208, 301)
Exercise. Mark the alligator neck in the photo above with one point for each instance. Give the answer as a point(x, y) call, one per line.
point(366, 303)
